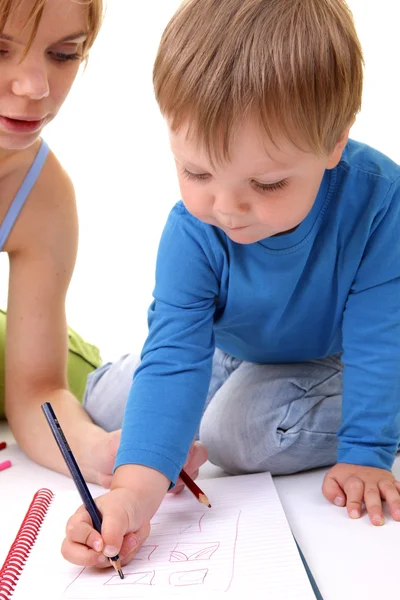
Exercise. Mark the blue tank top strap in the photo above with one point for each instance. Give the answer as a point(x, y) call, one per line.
point(23, 193)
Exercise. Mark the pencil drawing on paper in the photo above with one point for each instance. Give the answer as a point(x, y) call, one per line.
point(138, 578)
point(184, 549)
point(196, 551)
point(181, 578)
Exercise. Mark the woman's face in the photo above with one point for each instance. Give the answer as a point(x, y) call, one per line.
point(34, 87)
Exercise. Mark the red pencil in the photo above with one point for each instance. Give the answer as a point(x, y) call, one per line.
point(188, 481)
point(3, 445)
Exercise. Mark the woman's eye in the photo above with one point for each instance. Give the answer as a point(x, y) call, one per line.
point(65, 57)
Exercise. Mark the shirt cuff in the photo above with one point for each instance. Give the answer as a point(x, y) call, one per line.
point(148, 458)
point(381, 458)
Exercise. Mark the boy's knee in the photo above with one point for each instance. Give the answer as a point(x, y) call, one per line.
point(245, 435)
point(279, 452)
point(228, 432)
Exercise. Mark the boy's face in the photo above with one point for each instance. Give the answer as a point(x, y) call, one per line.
point(32, 90)
point(261, 192)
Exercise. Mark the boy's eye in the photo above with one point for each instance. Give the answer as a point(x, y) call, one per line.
point(263, 187)
point(195, 176)
point(64, 57)
point(271, 187)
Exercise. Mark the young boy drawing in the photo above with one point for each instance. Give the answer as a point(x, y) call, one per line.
point(277, 290)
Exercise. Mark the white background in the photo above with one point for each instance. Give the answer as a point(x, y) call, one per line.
point(112, 141)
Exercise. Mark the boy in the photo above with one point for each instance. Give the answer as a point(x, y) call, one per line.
point(278, 275)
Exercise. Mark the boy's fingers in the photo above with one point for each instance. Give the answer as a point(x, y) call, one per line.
point(373, 504)
point(391, 494)
point(354, 490)
point(83, 533)
point(81, 514)
point(195, 474)
point(333, 492)
point(197, 456)
point(78, 554)
point(180, 485)
point(177, 488)
point(79, 529)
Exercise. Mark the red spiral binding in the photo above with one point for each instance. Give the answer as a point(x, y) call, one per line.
point(24, 540)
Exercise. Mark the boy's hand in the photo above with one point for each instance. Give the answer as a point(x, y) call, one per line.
point(123, 531)
point(197, 456)
point(126, 509)
point(351, 485)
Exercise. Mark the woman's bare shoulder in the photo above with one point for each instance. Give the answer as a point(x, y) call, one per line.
point(49, 210)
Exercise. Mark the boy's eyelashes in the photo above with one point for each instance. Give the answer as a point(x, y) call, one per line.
point(195, 176)
point(271, 187)
point(264, 187)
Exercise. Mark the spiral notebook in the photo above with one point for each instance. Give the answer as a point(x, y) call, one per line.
point(242, 544)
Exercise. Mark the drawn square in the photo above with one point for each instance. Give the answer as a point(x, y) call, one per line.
point(185, 578)
point(194, 551)
point(140, 578)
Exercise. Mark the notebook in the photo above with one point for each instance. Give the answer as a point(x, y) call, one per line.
point(242, 546)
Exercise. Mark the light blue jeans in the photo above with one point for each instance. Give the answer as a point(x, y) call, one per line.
point(279, 418)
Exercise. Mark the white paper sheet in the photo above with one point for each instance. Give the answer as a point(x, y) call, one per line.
point(242, 545)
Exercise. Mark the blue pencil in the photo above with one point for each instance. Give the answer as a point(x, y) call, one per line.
point(76, 475)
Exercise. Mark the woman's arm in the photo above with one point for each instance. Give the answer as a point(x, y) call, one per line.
point(42, 250)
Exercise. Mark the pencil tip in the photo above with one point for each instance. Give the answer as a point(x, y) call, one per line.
point(120, 573)
point(204, 500)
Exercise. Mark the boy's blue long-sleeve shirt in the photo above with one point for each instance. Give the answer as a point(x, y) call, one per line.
point(331, 285)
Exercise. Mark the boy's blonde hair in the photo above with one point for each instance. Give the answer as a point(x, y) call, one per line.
point(296, 65)
point(95, 16)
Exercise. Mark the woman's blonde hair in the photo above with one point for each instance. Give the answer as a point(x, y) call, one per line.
point(95, 16)
point(296, 65)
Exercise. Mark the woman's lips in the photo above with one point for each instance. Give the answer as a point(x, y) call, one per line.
point(21, 125)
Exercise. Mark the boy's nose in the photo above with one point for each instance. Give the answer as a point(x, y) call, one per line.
point(230, 205)
point(31, 82)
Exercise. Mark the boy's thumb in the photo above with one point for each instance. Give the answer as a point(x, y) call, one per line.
point(113, 530)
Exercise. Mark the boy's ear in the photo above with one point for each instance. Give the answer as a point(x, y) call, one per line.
point(336, 154)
